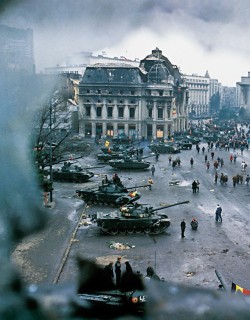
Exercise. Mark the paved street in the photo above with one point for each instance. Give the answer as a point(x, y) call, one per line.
point(193, 260)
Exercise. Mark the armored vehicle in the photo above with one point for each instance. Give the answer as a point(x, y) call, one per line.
point(163, 147)
point(135, 218)
point(71, 173)
point(185, 144)
point(110, 194)
point(105, 157)
point(131, 163)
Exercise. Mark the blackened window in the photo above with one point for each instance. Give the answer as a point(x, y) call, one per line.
point(88, 111)
point(120, 112)
point(150, 112)
point(160, 113)
point(132, 93)
point(131, 112)
point(88, 91)
point(110, 112)
point(99, 111)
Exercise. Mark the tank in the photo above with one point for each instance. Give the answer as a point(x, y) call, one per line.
point(131, 163)
point(135, 218)
point(106, 157)
point(110, 194)
point(71, 173)
point(163, 147)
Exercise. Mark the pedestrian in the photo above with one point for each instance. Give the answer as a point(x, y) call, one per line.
point(157, 156)
point(221, 162)
point(109, 273)
point(234, 180)
point(216, 177)
point(235, 157)
point(118, 272)
point(183, 227)
point(150, 270)
point(212, 155)
point(153, 170)
point(194, 186)
point(205, 157)
point(197, 185)
point(150, 183)
point(203, 150)
point(192, 162)
point(169, 160)
point(208, 165)
point(231, 158)
point(247, 180)
point(218, 211)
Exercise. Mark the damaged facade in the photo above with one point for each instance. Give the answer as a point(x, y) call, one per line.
point(149, 101)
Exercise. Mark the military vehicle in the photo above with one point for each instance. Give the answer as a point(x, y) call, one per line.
point(135, 218)
point(185, 144)
point(71, 173)
point(106, 157)
point(110, 194)
point(131, 163)
point(163, 147)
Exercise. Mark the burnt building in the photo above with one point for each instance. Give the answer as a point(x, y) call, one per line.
point(149, 101)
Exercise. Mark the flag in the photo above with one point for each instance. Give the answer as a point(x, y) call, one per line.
point(106, 143)
point(236, 288)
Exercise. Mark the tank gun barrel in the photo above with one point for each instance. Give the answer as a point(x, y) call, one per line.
point(149, 156)
point(170, 205)
point(135, 187)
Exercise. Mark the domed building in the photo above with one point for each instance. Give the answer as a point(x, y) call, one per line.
point(148, 101)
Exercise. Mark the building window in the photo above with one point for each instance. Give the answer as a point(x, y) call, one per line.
point(120, 112)
point(150, 113)
point(131, 113)
point(161, 93)
point(110, 112)
point(160, 113)
point(110, 101)
point(121, 91)
point(99, 91)
point(99, 111)
point(88, 111)
point(88, 91)
point(132, 93)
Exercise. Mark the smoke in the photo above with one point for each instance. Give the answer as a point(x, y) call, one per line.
point(63, 27)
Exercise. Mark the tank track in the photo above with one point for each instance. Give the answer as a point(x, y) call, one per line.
point(152, 229)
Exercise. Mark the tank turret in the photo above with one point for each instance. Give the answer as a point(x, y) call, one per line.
point(110, 193)
point(135, 218)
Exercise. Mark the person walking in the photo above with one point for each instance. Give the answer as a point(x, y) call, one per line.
point(212, 155)
point(192, 162)
point(208, 165)
point(150, 183)
point(216, 177)
point(247, 179)
point(205, 157)
point(183, 227)
point(157, 156)
point(203, 150)
point(194, 186)
point(153, 170)
point(218, 211)
point(118, 272)
point(197, 185)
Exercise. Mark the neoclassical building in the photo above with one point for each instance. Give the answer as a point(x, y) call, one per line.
point(149, 101)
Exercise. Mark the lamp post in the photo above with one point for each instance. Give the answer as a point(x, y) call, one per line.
point(50, 152)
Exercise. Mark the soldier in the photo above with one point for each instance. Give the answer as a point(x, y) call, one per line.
point(150, 183)
point(183, 227)
point(218, 211)
point(118, 272)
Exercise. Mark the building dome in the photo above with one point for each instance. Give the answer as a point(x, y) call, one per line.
point(158, 69)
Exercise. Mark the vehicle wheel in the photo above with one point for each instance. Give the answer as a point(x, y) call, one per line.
point(105, 203)
point(130, 231)
point(157, 229)
point(105, 230)
point(123, 231)
point(113, 232)
point(138, 230)
point(147, 230)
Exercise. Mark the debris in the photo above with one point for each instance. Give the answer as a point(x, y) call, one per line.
point(190, 273)
point(120, 246)
point(225, 251)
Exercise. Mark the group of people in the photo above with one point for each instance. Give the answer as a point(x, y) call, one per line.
point(196, 186)
point(127, 280)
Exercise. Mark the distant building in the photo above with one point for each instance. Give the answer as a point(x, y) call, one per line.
point(243, 92)
point(198, 87)
point(145, 101)
point(78, 62)
point(16, 50)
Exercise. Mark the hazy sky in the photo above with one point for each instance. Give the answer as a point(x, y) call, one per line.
point(195, 35)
